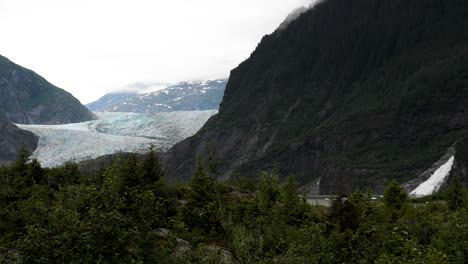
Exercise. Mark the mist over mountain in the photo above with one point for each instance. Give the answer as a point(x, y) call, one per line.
point(184, 96)
point(292, 16)
point(350, 94)
point(108, 100)
point(27, 98)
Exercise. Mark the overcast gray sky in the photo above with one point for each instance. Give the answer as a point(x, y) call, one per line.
point(90, 47)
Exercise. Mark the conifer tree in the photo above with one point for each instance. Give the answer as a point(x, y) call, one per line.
point(152, 169)
point(455, 195)
point(395, 197)
point(212, 161)
point(131, 172)
point(202, 211)
point(36, 172)
point(202, 187)
point(295, 209)
point(344, 212)
point(290, 191)
point(20, 168)
point(268, 193)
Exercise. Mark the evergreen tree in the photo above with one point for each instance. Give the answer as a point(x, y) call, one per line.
point(395, 196)
point(344, 212)
point(152, 169)
point(20, 168)
point(291, 199)
point(455, 195)
point(70, 173)
point(395, 199)
point(270, 224)
point(212, 161)
point(36, 172)
point(202, 188)
point(295, 209)
point(269, 192)
point(202, 209)
point(132, 174)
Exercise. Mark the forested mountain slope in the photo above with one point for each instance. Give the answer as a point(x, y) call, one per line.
point(353, 93)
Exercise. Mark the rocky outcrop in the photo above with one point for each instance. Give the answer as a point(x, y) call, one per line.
point(13, 139)
point(355, 93)
point(27, 98)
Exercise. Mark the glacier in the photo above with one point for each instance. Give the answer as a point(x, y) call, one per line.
point(434, 182)
point(112, 133)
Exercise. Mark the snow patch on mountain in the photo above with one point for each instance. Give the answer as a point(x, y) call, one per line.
point(184, 96)
point(114, 132)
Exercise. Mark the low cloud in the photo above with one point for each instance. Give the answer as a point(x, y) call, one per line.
point(141, 87)
point(297, 13)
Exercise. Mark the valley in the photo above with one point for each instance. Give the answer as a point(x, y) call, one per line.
point(112, 133)
point(341, 138)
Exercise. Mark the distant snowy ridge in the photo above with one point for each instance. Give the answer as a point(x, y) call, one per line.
point(109, 99)
point(184, 96)
point(436, 180)
point(114, 132)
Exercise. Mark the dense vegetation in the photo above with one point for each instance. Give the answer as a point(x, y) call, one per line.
point(365, 90)
point(127, 213)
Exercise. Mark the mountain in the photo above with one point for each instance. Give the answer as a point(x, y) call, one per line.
point(12, 139)
point(184, 96)
point(350, 94)
point(108, 100)
point(27, 98)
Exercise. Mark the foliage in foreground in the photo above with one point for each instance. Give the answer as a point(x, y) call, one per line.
point(61, 215)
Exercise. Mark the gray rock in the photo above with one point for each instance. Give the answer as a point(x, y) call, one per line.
point(163, 232)
point(225, 256)
point(181, 248)
point(12, 139)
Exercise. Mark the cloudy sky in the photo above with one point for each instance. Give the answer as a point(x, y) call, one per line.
point(90, 47)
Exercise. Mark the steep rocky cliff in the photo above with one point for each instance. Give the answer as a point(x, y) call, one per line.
point(12, 139)
point(27, 98)
point(350, 94)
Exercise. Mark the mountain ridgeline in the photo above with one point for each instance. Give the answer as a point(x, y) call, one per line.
point(27, 98)
point(350, 94)
point(108, 100)
point(184, 96)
